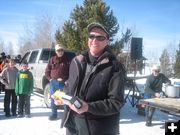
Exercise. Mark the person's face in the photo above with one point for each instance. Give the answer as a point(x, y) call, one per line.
point(155, 72)
point(24, 67)
point(12, 63)
point(60, 52)
point(97, 41)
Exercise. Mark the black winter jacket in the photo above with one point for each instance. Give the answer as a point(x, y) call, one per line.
point(103, 90)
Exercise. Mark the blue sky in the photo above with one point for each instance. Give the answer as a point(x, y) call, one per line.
point(156, 21)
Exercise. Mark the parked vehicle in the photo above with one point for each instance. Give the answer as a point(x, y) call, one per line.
point(38, 60)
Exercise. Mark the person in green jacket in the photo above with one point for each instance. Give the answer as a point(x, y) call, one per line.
point(24, 88)
point(153, 88)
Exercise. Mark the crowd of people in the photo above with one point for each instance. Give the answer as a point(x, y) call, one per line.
point(17, 85)
point(94, 78)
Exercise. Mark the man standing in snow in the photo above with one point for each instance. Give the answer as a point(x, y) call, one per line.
point(96, 78)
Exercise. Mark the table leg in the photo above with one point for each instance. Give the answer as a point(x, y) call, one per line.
point(149, 115)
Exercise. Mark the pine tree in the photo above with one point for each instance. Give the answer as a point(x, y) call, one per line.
point(177, 63)
point(165, 63)
point(74, 33)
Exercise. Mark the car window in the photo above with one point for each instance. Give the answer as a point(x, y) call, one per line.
point(69, 54)
point(33, 57)
point(46, 55)
point(25, 57)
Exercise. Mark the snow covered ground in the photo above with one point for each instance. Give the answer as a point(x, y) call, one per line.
point(38, 124)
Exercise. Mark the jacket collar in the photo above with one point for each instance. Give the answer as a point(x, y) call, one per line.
point(105, 57)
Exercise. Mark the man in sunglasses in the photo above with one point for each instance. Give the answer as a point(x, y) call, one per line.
point(153, 88)
point(57, 71)
point(96, 79)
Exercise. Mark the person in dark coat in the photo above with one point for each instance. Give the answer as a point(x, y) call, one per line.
point(96, 79)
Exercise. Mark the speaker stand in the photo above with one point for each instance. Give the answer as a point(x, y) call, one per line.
point(134, 98)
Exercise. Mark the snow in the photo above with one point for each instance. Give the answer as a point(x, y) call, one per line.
point(38, 124)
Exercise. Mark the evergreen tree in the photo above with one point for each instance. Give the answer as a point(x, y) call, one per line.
point(165, 63)
point(119, 44)
point(177, 63)
point(74, 33)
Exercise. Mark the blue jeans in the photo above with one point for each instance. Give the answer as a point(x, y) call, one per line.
point(146, 96)
point(55, 85)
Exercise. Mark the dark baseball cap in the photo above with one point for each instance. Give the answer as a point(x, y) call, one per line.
point(98, 25)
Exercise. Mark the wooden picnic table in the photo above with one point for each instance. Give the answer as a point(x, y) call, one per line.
point(167, 104)
point(164, 104)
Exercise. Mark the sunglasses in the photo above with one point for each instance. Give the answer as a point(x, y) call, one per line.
point(98, 38)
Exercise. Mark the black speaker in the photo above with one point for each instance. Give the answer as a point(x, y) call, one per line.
point(136, 48)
